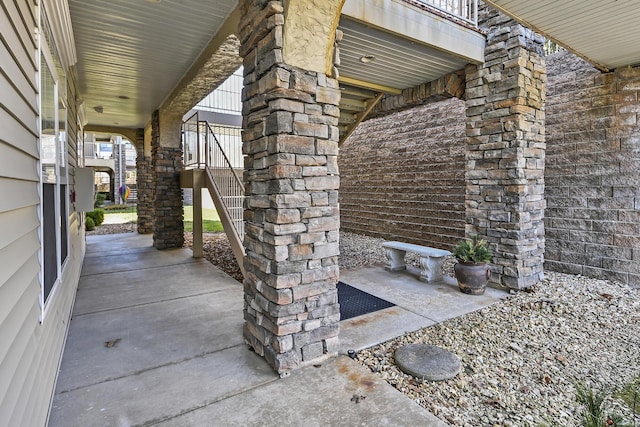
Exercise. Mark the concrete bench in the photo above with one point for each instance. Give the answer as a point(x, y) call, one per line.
point(431, 259)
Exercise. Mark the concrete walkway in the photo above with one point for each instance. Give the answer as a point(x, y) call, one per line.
point(156, 339)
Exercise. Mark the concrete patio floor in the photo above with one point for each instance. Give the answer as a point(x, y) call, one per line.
point(156, 339)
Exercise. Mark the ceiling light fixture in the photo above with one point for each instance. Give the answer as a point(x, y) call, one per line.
point(367, 58)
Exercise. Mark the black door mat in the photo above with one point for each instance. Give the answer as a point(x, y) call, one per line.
point(354, 302)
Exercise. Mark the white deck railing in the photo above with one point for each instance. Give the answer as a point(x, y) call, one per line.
point(463, 9)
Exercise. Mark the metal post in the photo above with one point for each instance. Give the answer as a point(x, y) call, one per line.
point(198, 178)
point(198, 143)
point(475, 12)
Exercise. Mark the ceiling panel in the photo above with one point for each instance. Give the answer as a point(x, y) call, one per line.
point(606, 32)
point(398, 62)
point(132, 53)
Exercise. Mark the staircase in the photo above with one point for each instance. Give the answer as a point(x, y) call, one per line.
point(207, 165)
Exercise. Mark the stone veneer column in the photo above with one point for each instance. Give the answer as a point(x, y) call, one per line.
point(506, 150)
point(290, 139)
point(168, 226)
point(144, 183)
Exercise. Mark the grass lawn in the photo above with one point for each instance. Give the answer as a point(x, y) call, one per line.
point(121, 216)
point(210, 219)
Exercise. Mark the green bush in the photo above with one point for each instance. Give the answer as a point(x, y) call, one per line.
point(594, 414)
point(630, 394)
point(97, 215)
point(100, 198)
point(89, 224)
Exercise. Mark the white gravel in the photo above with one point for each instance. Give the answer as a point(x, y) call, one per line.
point(357, 250)
point(522, 356)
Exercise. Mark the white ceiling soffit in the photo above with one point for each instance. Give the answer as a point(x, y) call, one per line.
point(393, 61)
point(132, 53)
point(405, 45)
point(605, 32)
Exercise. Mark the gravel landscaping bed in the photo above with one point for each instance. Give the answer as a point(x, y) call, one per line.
point(112, 229)
point(521, 357)
point(217, 250)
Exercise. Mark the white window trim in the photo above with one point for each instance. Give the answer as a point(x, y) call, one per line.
point(44, 50)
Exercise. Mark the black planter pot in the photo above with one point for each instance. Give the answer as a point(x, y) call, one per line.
point(472, 278)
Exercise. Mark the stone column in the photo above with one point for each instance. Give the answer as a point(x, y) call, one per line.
point(144, 183)
point(112, 185)
point(506, 150)
point(290, 139)
point(118, 174)
point(168, 226)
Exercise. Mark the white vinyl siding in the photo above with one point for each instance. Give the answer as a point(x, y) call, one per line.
point(30, 344)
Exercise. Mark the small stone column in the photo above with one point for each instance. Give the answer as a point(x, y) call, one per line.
point(118, 173)
point(290, 139)
point(144, 182)
point(506, 150)
point(168, 226)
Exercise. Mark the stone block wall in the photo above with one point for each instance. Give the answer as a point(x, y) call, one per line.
point(290, 142)
point(144, 185)
point(402, 176)
point(448, 86)
point(593, 170)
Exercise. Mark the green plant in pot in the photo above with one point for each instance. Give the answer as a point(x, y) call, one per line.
point(472, 270)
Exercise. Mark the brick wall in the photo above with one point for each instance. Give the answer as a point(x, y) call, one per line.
point(402, 176)
point(593, 170)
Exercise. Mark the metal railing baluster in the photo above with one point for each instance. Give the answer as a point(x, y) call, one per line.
point(464, 9)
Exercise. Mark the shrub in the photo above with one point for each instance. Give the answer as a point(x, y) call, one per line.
point(100, 198)
point(473, 251)
point(630, 394)
point(89, 224)
point(97, 215)
point(594, 413)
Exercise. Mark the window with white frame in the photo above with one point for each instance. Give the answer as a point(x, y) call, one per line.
point(53, 160)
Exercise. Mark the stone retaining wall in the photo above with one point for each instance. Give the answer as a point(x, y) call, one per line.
point(593, 170)
point(403, 176)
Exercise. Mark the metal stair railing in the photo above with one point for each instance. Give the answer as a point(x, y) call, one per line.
point(226, 178)
point(202, 150)
point(192, 152)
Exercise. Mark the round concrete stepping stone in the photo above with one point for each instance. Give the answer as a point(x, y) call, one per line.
point(427, 361)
